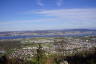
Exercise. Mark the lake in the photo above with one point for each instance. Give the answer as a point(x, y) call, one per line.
point(33, 36)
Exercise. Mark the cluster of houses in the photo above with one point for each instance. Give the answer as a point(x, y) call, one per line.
point(58, 46)
point(24, 53)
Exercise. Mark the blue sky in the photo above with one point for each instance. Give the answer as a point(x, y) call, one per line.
point(18, 15)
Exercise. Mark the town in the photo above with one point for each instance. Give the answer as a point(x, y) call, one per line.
point(58, 46)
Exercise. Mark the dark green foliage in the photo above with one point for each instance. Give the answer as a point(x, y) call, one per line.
point(9, 44)
point(40, 54)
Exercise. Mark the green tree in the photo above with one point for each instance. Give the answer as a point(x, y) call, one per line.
point(40, 54)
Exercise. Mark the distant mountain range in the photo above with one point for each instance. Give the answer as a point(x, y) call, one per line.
point(80, 30)
point(47, 33)
point(62, 30)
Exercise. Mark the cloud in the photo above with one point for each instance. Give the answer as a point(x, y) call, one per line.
point(59, 3)
point(72, 14)
point(37, 24)
point(54, 19)
point(72, 18)
point(39, 2)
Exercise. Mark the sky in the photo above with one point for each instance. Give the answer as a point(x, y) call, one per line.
point(18, 15)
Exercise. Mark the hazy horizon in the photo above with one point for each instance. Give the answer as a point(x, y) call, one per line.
point(50, 29)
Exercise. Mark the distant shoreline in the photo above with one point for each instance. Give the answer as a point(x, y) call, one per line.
point(33, 36)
